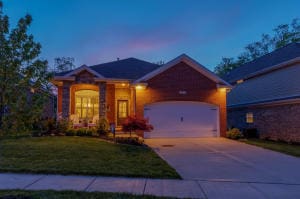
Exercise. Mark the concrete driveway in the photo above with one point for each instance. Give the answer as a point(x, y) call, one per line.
point(220, 159)
point(229, 169)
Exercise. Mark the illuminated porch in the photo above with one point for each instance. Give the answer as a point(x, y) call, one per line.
point(85, 103)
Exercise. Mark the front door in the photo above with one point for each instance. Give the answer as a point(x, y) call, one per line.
point(122, 111)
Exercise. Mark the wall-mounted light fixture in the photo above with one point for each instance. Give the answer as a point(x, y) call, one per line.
point(224, 88)
point(140, 86)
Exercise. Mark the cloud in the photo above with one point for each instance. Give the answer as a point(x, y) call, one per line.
point(128, 41)
point(178, 33)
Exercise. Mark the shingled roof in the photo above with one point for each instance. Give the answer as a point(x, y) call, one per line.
point(130, 68)
point(278, 85)
point(278, 56)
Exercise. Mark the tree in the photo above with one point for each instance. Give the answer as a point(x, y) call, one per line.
point(62, 64)
point(282, 35)
point(136, 124)
point(227, 64)
point(23, 76)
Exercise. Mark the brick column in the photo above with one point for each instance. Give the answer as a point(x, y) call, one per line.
point(133, 99)
point(66, 99)
point(102, 99)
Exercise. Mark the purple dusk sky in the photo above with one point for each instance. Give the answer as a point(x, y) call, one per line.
point(96, 31)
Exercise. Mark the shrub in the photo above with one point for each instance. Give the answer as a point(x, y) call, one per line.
point(130, 140)
point(234, 133)
point(94, 131)
point(71, 132)
point(134, 124)
point(44, 126)
point(81, 132)
point(102, 126)
point(63, 125)
point(88, 132)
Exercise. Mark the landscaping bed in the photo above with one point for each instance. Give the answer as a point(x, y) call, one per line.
point(17, 194)
point(81, 155)
point(283, 147)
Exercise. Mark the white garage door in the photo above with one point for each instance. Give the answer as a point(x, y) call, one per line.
point(182, 119)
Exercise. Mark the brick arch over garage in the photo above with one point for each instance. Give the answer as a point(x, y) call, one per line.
point(182, 83)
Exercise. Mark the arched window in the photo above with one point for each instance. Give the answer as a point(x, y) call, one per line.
point(86, 103)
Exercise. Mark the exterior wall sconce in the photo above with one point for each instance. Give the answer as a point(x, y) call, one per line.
point(140, 86)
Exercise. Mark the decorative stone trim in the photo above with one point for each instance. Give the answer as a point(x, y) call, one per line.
point(102, 99)
point(66, 99)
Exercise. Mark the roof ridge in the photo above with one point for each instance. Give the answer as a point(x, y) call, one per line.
point(110, 62)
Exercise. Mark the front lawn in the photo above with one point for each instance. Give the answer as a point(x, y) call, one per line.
point(17, 194)
point(291, 149)
point(79, 155)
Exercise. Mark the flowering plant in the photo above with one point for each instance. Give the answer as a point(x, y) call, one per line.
point(135, 124)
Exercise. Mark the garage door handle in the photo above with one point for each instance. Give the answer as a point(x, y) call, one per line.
point(181, 119)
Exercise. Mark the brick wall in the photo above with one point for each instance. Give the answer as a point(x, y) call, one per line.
point(166, 86)
point(281, 122)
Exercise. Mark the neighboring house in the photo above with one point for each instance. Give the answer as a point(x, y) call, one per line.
point(266, 95)
point(181, 98)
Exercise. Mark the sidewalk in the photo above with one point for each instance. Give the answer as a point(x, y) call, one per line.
point(157, 187)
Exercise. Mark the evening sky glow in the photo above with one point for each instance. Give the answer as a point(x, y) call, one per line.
point(95, 31)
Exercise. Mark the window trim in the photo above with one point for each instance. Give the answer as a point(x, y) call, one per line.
point(92, 108)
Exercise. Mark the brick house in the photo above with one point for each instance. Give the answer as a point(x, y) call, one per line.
point(181, 98)
point(266, 95)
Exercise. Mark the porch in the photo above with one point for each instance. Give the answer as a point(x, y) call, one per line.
point(86, 103)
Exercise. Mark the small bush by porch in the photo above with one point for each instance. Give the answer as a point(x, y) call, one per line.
point(81, 155)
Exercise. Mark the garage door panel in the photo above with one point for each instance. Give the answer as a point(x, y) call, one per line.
point(182, 119)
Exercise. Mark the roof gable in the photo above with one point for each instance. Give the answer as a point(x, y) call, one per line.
point(83, 68)
point(190, 62)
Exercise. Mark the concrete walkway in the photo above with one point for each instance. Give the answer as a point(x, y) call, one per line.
point(157, 187)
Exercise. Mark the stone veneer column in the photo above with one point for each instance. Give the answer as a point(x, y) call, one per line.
point(66, 99)
point(102, 99)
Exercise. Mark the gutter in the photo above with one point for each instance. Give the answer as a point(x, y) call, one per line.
point(271, 102)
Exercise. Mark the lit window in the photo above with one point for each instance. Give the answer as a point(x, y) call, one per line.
point(86, 103)
point(249, 118)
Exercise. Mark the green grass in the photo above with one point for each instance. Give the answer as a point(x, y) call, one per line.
point(291, 149)
point(17, 194)
point(79, 155)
